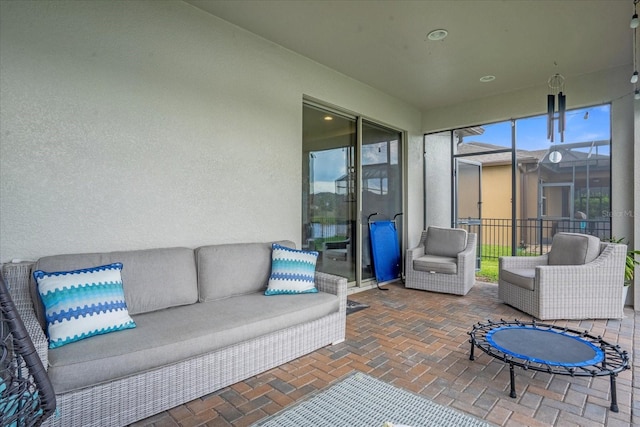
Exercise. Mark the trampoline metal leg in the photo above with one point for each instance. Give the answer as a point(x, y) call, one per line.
point(614, 394)
point(512, 376)
point(471, 357)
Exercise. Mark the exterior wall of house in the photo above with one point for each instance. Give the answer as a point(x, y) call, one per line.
point(529, 190)
point(496, 201)
point(496, 191)
point(130, 125)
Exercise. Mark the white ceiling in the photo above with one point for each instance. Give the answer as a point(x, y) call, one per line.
point(384, 43)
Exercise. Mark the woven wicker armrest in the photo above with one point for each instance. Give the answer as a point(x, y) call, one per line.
point(416, 252)
point(592, 290)
point(606, 270)
point(468, 257)
point(509, 262)
point(470, 250)
point(332, 284)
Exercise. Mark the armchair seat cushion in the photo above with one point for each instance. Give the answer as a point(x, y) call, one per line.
point(436, 264)
point(522, 277)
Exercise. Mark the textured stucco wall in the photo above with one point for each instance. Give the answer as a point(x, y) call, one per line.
point(139, 124)
point(437, 158)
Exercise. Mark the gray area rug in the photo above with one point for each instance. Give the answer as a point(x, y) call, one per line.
point(353, 306)
point(363, 401)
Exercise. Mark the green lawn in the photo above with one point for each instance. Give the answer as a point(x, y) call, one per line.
point(488, 270)
point(489, 265)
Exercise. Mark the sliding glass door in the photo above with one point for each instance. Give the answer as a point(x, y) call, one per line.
point(381, 185)
point(329, 193)
point(351, 169)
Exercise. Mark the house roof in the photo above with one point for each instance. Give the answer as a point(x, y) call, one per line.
point(488, 158)
point(571, 153)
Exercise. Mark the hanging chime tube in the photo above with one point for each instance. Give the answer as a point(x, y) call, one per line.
point(562, 107)
point(551, 105)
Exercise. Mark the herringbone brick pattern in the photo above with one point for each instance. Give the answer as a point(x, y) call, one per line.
point(418, 341)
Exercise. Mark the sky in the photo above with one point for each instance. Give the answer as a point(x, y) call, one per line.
point(531, 133)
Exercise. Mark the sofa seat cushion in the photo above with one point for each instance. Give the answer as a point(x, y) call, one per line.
point(436, 264)
point(522, 277)
point(179, 333)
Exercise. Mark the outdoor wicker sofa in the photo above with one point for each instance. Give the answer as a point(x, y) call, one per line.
point(580, 278)
point(203, 322)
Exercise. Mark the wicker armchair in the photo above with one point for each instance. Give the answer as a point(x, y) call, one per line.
point(26, 395)
point(444, 261)
point(580, 278)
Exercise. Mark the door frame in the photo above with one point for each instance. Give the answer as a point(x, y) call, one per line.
point(471, 222)
point(359, 282)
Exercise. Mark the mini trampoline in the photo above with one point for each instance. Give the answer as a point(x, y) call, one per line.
point(551, 349)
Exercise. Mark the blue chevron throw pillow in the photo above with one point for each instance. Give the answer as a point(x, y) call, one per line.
point(292, 271)
point(82, 303)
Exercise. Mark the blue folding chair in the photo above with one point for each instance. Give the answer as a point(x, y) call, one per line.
point(385, 251)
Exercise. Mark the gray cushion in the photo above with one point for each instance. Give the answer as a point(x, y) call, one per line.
point(436, 264)
point(523, 277)
point(447, 242)
point(234, 269)
point(573, 249)
point(179, 333)
point(153, 279)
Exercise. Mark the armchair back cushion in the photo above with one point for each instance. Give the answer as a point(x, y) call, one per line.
point(573, 249)
point(446, 242)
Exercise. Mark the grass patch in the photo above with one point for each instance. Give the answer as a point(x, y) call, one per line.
point(489, 265)
point(488, 270)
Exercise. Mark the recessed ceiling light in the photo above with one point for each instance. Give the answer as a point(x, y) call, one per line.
point(436, 35)
point(487, 79)
point(328, 118)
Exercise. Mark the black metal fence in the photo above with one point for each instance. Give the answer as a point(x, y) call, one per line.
point(532, 236)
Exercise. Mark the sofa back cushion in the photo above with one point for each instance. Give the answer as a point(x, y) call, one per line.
point(446, 242)
point(573, 249)
point(234, 269)
point(153, 279)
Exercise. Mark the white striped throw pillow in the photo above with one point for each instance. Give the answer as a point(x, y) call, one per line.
point(82, 303)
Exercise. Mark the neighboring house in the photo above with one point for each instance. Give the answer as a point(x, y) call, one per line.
point(551, 197)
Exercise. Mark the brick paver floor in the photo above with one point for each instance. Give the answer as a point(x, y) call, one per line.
point(418, 341)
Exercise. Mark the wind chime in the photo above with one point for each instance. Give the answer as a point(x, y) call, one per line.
point(556, 88)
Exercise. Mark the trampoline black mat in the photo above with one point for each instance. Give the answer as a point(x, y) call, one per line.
point(544, 346)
